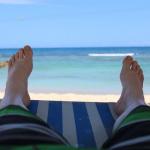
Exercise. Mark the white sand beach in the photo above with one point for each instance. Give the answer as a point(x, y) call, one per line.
point(76, 97)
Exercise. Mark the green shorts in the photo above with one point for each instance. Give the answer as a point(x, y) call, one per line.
point(133, 132)
point(20, 129)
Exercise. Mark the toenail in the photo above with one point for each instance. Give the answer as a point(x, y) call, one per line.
point(27, 47)
point(129, 58)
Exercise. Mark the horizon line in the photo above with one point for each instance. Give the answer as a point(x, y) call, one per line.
point(78, 47)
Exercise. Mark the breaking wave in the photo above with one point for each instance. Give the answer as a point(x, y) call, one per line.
point(110, 54)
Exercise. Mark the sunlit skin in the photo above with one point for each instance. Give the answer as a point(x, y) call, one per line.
point(19, 69)
point(132, 78)
point(21, 64)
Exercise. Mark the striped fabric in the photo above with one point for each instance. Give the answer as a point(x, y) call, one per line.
point(133, 133)
point(19, 126)
point(82, 124)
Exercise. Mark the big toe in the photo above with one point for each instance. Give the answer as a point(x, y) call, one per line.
point(28, 51)
point(127, 62)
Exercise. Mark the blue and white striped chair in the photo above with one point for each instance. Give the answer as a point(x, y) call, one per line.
point(82, 124)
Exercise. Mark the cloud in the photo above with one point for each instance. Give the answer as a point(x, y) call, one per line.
point(21, 2)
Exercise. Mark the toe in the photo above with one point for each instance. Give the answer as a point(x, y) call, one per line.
point(142, 77)
point(128, 58)
point(135, 66)
point(28, 51)
point(140, 73)
point(21, 53)
point(13, 59)
point(138, 68)
point(17, 56)
point(127, 62)
point(9, 63)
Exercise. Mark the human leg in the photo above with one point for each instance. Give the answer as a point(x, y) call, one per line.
point(19, 68)
point(18, 125)
point(131, 130)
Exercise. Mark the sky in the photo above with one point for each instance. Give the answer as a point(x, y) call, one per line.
point(74, 23)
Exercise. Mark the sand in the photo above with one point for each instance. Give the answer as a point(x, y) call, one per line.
point(76, 97)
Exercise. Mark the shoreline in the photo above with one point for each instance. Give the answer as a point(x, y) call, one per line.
point(77, 97)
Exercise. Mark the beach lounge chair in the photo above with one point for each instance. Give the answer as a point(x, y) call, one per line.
point(85, 125)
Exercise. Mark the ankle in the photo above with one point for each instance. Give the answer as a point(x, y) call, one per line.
point(134, 101)
point(12, 100)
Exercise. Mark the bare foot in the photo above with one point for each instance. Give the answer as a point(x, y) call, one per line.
point(132, 78)
point(19, 69)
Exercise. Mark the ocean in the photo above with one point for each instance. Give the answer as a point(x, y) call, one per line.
point(79, 70)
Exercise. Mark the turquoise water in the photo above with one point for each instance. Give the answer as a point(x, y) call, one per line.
point(79, 70)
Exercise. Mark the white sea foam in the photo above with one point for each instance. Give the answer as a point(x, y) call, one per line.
point(110, 54)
